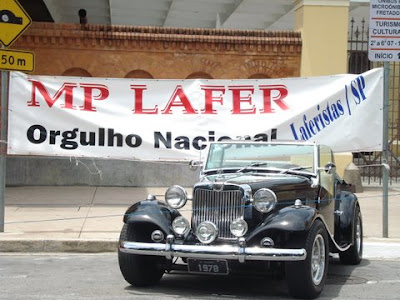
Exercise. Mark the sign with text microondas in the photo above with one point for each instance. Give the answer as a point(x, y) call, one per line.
point(384, 30)
point(14, 60)
point(13, 21)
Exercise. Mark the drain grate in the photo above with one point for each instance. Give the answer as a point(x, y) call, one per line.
point(335, 279)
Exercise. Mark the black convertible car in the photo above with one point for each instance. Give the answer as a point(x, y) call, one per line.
point(257, 207)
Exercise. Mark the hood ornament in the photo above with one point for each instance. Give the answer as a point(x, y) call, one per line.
point(218, 186)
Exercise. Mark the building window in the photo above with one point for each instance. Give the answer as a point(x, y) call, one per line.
point(259, 76)
point(77, 72)
point(199, 75)
point(139, 74)
point(359, 62)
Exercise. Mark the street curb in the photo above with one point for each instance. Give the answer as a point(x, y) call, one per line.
point(74, 246)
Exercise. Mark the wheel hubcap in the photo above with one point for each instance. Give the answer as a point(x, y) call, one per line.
point(318, 259)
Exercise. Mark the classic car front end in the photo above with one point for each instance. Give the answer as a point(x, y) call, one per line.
point(257, 207)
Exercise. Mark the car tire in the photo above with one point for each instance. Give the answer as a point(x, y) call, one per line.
point(139, 270)
point(306, 278)
point(353, 255)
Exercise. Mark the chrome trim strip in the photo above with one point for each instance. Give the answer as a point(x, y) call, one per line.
point(332, 236)
point(235, 252)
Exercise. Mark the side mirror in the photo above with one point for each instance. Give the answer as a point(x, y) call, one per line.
point(330, 168)
point(194, 164)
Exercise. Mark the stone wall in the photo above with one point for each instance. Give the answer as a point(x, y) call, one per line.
point(131, 51)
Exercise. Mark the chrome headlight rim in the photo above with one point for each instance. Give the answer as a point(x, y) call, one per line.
point(261, 196)
point(238, 222)
point(207, 224)
point(179, 221)
point(176, 190)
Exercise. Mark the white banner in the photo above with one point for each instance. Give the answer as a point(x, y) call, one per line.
point(175, 119)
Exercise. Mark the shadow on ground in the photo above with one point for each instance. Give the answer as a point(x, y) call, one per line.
point(245, 287)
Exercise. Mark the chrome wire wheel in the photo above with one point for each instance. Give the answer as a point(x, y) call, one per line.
point(318, 259)
point(306, 279)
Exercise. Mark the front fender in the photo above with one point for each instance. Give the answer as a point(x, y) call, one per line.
point(151, 212)
point(288, 219)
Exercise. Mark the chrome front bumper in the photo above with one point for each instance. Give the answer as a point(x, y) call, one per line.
point(235, 252)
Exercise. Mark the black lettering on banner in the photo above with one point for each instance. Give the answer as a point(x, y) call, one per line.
point(183, 142)
point(112, 136)
point(133, 140)
point(198, 143)
point(53, 136)
point(33, 130)
point(92, 139)
point(67, 141)
point(158, 137)
point(72, 139)
point(107, 137)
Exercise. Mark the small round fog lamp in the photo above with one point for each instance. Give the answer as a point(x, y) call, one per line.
point(176, 197)
point(207, 232)
point(238, 227)
point(180, 225)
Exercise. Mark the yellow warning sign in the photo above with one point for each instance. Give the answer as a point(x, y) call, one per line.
point(13, 21)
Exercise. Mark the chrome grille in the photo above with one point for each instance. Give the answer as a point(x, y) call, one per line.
point(219, 207)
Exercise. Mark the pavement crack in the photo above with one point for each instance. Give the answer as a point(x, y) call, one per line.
point(87, 213)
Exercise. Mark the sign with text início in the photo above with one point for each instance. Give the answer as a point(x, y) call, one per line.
point(384, 30)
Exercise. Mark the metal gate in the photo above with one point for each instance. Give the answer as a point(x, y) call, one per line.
point(358, 62)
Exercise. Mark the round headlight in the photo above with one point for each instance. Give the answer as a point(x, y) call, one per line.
point(176, 197)
point(238, 227)
point(180, 225)
point(264, 200)
point(207, 232)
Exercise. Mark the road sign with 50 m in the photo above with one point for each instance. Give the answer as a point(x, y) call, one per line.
point(15, 60)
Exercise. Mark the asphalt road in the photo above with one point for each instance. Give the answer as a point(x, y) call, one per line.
point(97, 276)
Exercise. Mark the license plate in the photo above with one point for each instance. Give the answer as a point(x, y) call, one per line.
point(206, 266)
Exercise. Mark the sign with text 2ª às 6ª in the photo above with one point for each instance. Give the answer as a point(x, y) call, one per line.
point(384, 30)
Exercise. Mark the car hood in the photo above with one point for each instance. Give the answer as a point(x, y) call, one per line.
point(275, 182)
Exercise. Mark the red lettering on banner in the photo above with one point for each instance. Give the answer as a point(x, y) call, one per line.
point(66, 88)
point(138, 109)
point(267, 93)
point(89, 97)
point(214, 95)
point(209, 98)
point(183, 102)
point(238, 99)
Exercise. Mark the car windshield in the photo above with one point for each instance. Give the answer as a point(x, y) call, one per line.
point(245, 156)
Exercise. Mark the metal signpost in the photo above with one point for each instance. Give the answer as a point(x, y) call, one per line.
point(13, 22)
point(384, 45)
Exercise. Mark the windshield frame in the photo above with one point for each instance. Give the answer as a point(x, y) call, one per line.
point(248, 168)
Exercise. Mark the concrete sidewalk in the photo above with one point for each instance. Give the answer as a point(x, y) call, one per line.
point(89, 219)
